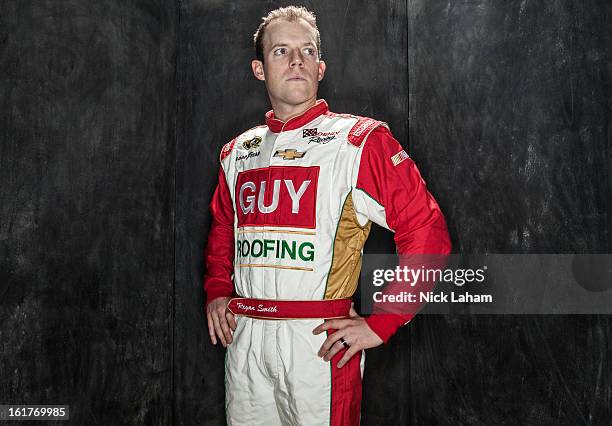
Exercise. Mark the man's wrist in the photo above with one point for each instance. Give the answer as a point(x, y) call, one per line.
point(385, 325)
point(211, 295)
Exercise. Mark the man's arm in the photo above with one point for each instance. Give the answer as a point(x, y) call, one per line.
point(389, 191)
point(396, 197)
point(219, 260)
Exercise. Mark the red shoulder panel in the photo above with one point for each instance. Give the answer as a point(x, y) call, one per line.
point(361, 129)
point(227, 149)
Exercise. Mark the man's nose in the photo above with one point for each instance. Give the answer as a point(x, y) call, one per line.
point(296, 58)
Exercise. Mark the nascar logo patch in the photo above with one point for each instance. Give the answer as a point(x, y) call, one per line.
point(399, 157)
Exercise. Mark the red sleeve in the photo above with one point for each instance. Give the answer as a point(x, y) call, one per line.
point(391, 178)
point(219, 254)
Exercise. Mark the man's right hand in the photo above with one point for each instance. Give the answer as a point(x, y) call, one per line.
point(221, 322)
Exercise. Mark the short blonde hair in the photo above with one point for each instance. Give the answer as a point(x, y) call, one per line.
point(291, 14)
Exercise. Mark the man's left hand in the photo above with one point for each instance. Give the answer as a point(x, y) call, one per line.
point(353, 330)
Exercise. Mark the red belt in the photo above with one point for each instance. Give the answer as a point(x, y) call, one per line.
point(290, 309)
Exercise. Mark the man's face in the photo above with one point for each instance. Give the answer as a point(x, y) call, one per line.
point(291, 67)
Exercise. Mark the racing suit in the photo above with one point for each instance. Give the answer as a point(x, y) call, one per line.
point(291, 214)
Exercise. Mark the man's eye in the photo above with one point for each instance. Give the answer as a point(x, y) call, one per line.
point(280, 51)
point(309, 51)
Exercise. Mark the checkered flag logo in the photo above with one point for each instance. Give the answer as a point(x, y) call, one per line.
point(309, 132)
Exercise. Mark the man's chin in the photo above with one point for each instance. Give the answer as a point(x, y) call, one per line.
point(298, 98)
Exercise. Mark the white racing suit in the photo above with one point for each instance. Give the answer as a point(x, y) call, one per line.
point(291, 213)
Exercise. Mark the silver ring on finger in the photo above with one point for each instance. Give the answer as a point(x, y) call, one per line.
point(344, 343)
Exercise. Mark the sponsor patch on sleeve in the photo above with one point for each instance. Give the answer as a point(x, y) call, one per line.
point(399, 157)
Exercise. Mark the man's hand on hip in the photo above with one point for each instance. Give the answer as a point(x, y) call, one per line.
point(352, 333)
point(221, 322)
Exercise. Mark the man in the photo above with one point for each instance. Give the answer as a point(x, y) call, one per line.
point(291, 213)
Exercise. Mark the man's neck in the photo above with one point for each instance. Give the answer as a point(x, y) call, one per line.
point(284, 112)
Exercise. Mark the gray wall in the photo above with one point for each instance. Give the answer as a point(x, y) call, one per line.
point(87, 92)
point(113, 115)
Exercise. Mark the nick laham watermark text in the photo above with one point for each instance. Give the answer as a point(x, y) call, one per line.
point(431, 297)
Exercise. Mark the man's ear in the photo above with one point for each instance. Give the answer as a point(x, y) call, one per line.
point(321, 73)
point(258, 70)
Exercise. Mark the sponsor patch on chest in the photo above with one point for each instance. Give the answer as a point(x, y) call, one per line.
point(316, 136)
point(277, 196)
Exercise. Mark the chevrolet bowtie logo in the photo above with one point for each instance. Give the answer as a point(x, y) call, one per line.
point(289, 154)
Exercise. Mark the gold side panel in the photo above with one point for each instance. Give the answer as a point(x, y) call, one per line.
point(346, 263)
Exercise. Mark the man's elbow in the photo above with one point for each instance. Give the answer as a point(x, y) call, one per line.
point(431, 238)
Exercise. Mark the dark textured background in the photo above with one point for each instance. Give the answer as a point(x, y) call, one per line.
point(113, 114)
